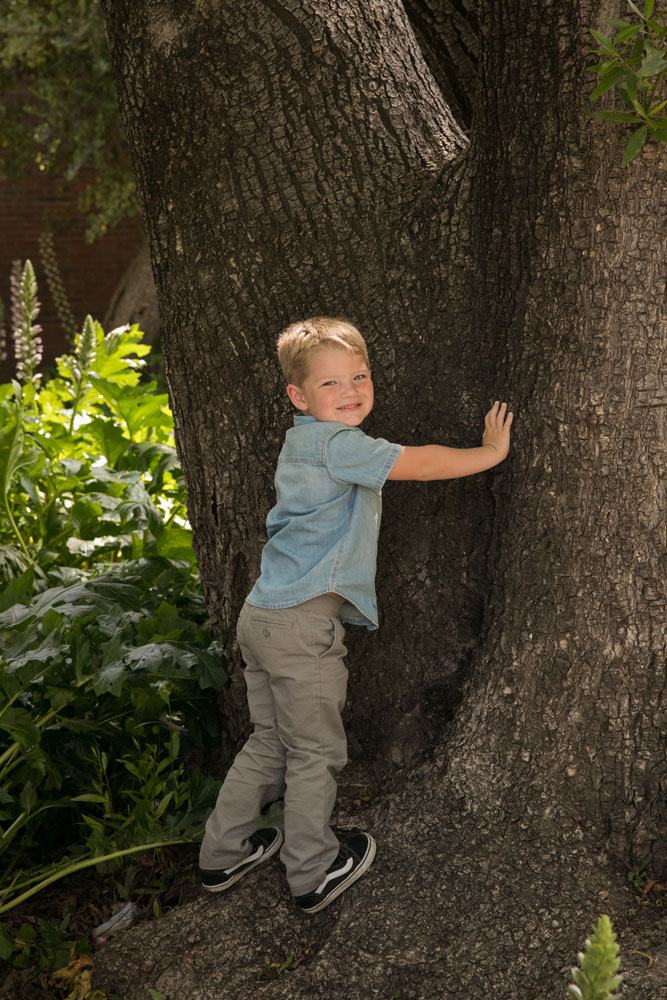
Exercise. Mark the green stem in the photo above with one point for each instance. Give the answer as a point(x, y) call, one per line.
point(21, 820)
point(13, 747)
point(16, 530)
point(75, 405)
point(80, 865)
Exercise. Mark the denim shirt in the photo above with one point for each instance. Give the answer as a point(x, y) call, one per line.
point(324, 527)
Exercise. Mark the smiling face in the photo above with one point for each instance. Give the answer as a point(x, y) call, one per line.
point(338, 387)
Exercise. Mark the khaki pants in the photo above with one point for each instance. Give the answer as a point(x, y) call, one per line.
point(296, 681)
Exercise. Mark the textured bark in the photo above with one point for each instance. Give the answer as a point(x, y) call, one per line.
point(297, 182)
point(135, 299)
point(448, 36)
point(299, 158)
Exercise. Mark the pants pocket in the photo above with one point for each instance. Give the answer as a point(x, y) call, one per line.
point(327, 639)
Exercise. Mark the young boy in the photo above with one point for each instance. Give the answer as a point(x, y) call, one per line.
point(318, 570)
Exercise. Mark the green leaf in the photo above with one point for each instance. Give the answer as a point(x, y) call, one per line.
point(625, 34)
point(175, 543)
point(660, 128)
point(110, 678)
point(615, 22)
point(608, 82)
point(137, 406)
point(636, 9)
point(648, 8)
point(628, 91)
point(13, 455)
point(653, 63)
point(635, 143)
point(614, 116)
point(6, 943)
point(28, 797)
point(18, 591)
point(602, 67)
point(163, 804)
point(18, 723)
point(29, 646)
point(637, 51)
point(639, 108)
point(605, 42)
point(108, 436)
point(212, 673)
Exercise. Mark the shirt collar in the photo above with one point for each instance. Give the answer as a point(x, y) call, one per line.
point(301, 418)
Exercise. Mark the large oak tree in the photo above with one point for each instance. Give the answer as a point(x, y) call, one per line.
point(430, 171)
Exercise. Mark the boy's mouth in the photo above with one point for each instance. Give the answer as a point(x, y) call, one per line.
point(350, 406)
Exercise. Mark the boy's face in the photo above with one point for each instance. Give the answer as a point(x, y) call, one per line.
point(338, 387)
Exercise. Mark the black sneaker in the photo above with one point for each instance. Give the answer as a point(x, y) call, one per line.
point(264, 844)
point(354, 858)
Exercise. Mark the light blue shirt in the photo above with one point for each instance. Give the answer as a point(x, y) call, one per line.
point(323, 530)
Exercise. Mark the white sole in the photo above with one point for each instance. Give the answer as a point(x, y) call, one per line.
point(362, 868)
point(268, 853)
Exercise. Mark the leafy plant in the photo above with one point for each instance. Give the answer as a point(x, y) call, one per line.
point(25, 330)
point(596, 978)
point(58, 105)
point(107, 665)
point(638, 875)
point(635, 64)
point(43, 946)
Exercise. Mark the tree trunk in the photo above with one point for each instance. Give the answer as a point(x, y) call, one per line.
point(135, 299)
point(305, 162)
point(280, 212)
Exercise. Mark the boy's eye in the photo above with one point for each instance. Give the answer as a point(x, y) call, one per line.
point(332, 382)
point(360, 376)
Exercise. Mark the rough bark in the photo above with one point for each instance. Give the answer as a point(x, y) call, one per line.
point(448, 36)
point(135, 299)
point(269, 200)
point(297, 158)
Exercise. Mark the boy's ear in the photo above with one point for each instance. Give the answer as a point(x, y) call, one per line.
point(297, 397)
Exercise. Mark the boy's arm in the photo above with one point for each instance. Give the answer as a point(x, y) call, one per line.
point(434, 461)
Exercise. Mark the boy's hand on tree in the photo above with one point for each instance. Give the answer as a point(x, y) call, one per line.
point(497, 423)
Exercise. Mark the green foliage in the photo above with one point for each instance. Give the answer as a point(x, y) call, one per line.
point(58, 107)
point(634, 62)
point(596, 978)
point(107, 668)
point(638, 875)
point(44, 947)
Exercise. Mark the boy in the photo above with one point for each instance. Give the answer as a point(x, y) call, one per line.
point(318, 570)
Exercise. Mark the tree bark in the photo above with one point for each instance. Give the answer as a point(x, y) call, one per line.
point(448, 36)
point(297, 159)
point(135, 299)
point(279, 210)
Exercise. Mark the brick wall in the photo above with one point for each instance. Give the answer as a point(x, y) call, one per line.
point(90, 271)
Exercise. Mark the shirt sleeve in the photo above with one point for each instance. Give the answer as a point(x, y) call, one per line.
point(353, 457)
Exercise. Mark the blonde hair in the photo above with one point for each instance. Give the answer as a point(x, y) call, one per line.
point(300, 342)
